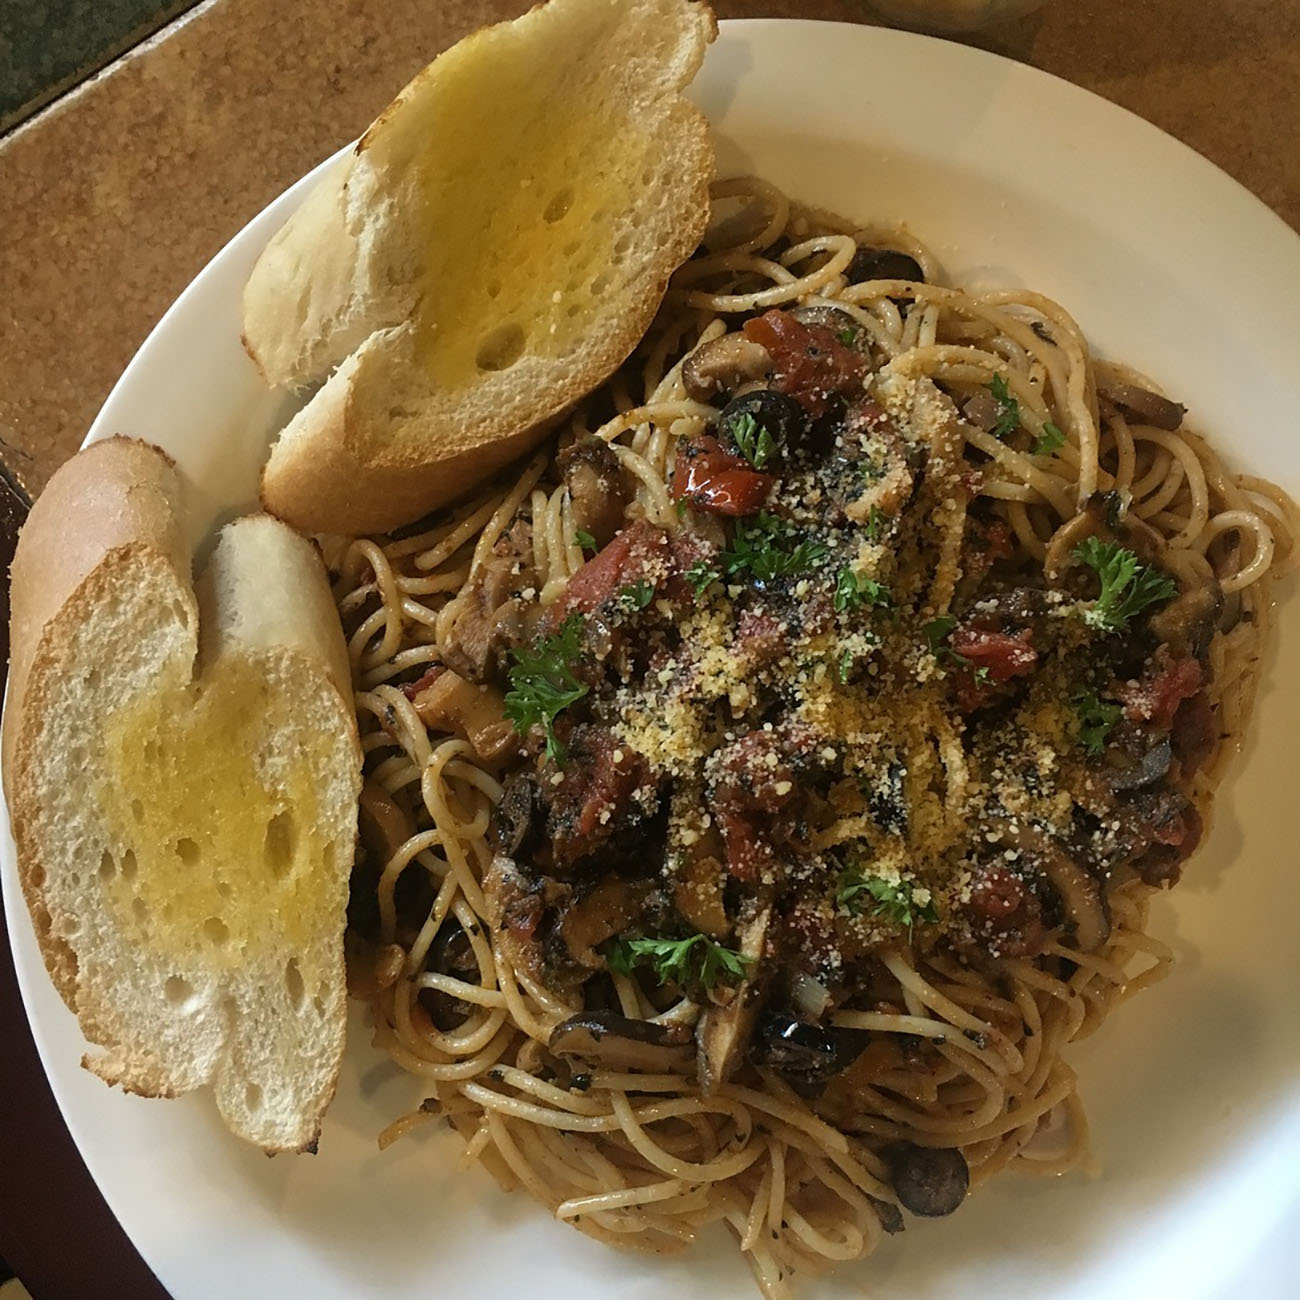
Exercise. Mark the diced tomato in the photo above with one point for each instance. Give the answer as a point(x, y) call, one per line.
point(1155, 699)
point(1195, 732)
point(714, 479)
point(755, 773)
point(639, 553)
point(809, 362)
point(1175, 841)
point(1005, 655)
point(747, 852)
point(593, 800)
point(1005, 915)
point(761, 638)
point(996, 894)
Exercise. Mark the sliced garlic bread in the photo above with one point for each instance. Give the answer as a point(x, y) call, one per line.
point(182, 772)
point(494, 248)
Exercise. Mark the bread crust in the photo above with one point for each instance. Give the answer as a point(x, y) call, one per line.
point(107, 510)
point(118, 493)
point(383, 441)
point(109, 535)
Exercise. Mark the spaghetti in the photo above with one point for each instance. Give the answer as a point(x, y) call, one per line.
point(912, 648)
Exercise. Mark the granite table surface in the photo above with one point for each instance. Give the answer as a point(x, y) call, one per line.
point(116, 192)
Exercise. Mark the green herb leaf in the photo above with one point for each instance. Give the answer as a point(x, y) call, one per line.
point(701, 576)
point(636, 596)
point(877, 525)
point(890, 899)
point(682, 506)
point(848, 336)
point(845, 665)
point(768, 547)
point(542, 684)
point(584, 539)
point(1127, 587)
point(937, 631)
point(696, 960)
point(1051, 439)
point(1096, 718)
point(1008, 408)
point(752, 439)
point(852, 590)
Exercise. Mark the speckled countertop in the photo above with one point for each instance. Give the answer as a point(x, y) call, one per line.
point(112, 198)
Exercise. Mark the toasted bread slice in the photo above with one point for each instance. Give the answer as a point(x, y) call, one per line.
point(182, 772)
point(494, 248)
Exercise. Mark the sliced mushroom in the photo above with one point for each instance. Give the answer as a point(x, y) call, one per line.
point(722, 365)
point(520, 818)
point(1144, 405)
point(1101, 517)
point(515, 907)
point(381, 824)
point(451, 953)
point(598, 488)
point(1188, 622)
point(982, 410)
point(490, 616)
point(1080, 892)
point(883, 264)
point(724, 1030)
point(930, 1181)
point(1080, 895)
point(604, 1038)
point(807, 1054)
point(475, 713)
point(835, 319)
point(891, 1217)
point(590, 918)
point(1146, 771)
point(371, 968)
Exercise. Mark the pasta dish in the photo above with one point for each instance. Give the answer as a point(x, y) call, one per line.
point(766, 783)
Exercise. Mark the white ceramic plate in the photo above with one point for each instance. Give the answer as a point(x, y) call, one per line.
point(1014, 178)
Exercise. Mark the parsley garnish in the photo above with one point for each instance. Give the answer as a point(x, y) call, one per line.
point(766, 548)
point(584, 539)
point(636, 596)
point(682, 506)
point(848, 336)
point(542, 683)
point(752, 439)
point(892, 899)
point(1127, 587)
point(845, 665)
point(1008, 408)
point(852, 590)
point(1051, 439)
point(1096, 718)
point(936, 632)
point(697, 960)
point(877, 524)
point(701, 576)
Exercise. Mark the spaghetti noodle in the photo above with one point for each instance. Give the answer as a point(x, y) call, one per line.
point(913, 646)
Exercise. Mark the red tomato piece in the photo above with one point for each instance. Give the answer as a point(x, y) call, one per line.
point(1005, 655)
point(715, 480)
point(810, 363)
